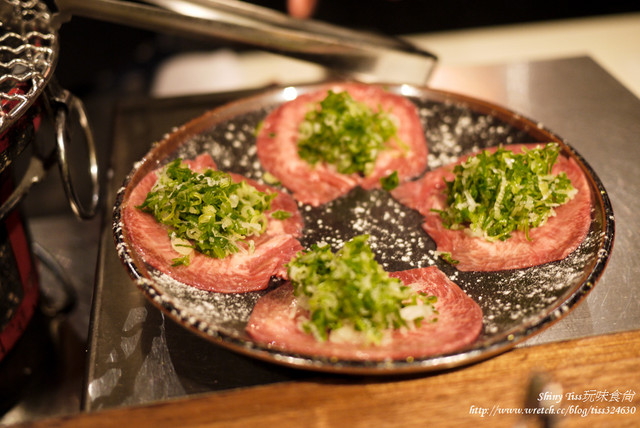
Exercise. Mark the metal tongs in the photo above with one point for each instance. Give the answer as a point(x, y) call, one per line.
point(358, 55)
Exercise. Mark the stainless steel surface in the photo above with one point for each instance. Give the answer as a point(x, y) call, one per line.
point(137, 355)
point(355, 54)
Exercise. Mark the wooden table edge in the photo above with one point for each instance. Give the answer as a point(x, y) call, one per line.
point(598, 378)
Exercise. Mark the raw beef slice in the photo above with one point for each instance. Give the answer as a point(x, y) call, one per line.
point(275, 318)
point(278, 149)
point(236, 273)
point(555, 240)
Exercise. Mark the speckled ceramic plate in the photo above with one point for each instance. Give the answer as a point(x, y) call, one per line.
point(516, 304)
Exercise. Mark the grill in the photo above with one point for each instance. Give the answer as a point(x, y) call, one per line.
point(28, 53)
point(28, 93)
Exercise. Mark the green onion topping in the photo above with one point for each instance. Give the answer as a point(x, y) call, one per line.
point(390, 182)
point(344, 132)
point(495, 194)
point(281, 214)
point(207, 211)
point(447, 257)
point(350, 297)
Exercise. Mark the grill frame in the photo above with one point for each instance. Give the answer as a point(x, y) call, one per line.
point(29, 50)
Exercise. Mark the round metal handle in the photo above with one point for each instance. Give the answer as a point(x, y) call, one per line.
point(62, 123)
point(62, 106)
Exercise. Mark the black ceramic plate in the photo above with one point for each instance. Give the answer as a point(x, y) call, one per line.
point(516, 304)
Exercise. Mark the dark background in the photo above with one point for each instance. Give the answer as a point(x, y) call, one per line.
point(102, 57)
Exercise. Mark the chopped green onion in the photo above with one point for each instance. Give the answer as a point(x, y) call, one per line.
point(207, 212)
point(390, 182)
point(447, 257)
point(280, 214)
point(493, 195)
point(350, 296)
point(344, 132)
point(258, 128)
point(270, 178)
point(181, 261)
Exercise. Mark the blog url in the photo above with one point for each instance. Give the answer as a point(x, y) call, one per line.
point(574, 409)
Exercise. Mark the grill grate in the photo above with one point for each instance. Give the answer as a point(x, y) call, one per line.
point(28, 53)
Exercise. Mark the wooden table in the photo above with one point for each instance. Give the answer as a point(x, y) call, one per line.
point(594, 367)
